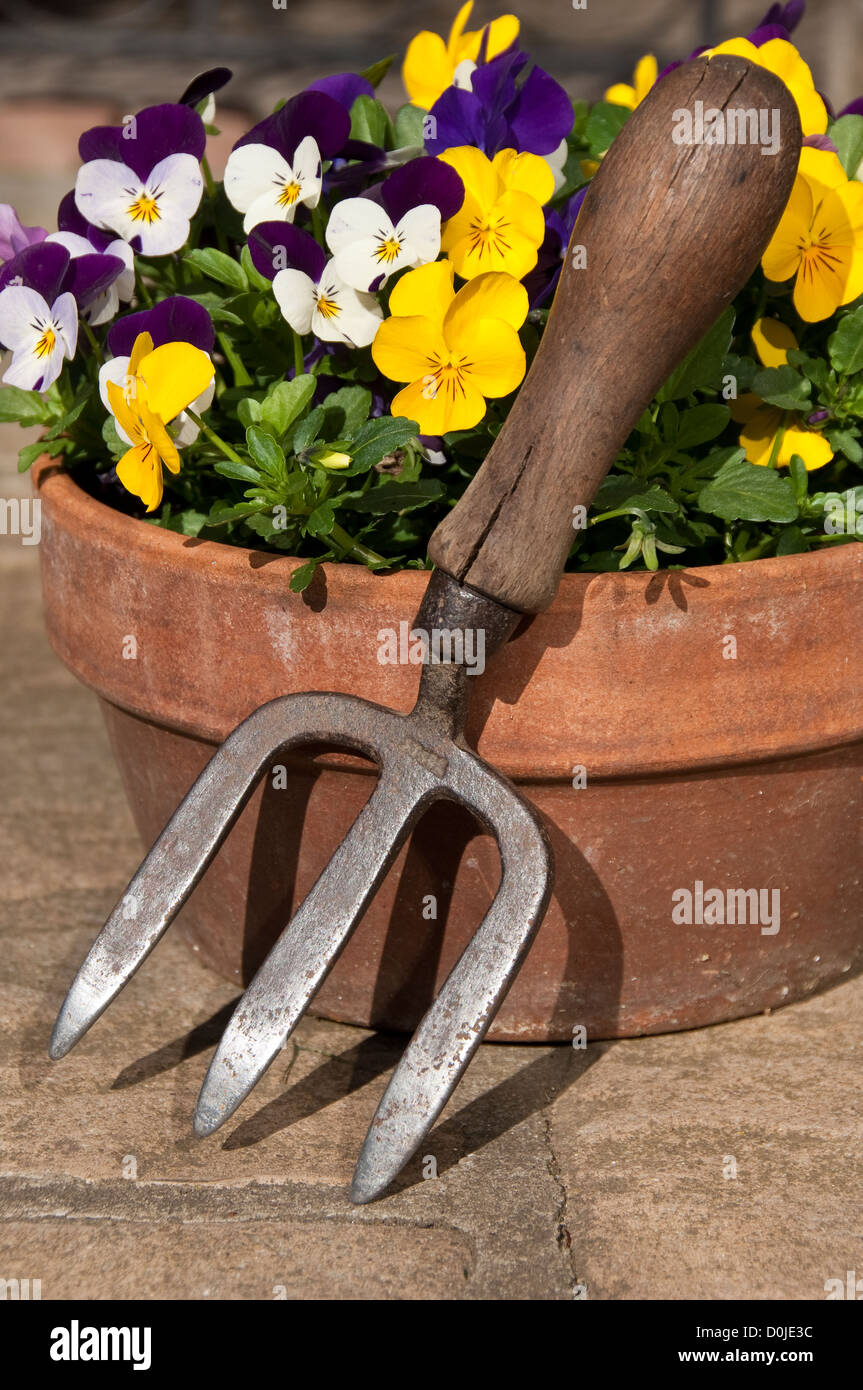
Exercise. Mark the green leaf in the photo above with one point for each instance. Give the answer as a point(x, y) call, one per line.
point(378, 71)
point(322, 520)
point(410, 126)
point(620, 491)
point(347, 410)
point(782, 386)
point(248, 411)
point(29, 454)
point(215, 307)
point(256, 280)
point(369, 121)
point(399, 497)
point(791, 542)
point(223, 512)
point(845, 442)
point(266, 453)
point(815, 369)
point(743, 491)
point(603, 124)
point(302, 577)
point(846, 344)
point(244, 471)
point(286, 402)
point(701, 423)
point(847, 136)
point(799, 478)
point(308, 429)
point(377, 438)
point(25, 407)
point(702, 369)
point(217, 266)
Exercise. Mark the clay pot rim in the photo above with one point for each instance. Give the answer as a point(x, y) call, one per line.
point(95, 515)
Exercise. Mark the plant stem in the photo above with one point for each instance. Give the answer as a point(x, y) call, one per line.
point(142, 291)
point(299, 357)
point(211, 194)
point(241, 376)
point(214, 438)
point(92, 339)
point(318, 224)
point(347, 543)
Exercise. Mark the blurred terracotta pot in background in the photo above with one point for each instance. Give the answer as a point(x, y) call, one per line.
point(676, 729)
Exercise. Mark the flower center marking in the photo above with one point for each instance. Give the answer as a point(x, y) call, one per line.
point(388, 249)
point(45, 345)
point(489, 236)
point(289, 194)
point(449, 375)
point(144, 208)
point(328, 308)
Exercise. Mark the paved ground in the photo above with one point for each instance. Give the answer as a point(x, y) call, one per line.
point(607, 1172)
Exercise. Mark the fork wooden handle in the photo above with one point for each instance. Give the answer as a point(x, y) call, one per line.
point(672, 232)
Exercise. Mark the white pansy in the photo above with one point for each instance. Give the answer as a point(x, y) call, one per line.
point(40, 335)
point(157, 209)
point(368, 247)
point(331, 309)
point(262, 184)
point(104, 308)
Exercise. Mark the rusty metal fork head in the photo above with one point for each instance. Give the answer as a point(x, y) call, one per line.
point(422, 756)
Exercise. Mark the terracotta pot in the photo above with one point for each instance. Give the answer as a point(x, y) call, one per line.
point(736, 771)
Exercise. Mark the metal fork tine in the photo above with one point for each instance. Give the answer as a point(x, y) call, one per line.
point(165, 879)
point(457, 1021)
point(279, 994)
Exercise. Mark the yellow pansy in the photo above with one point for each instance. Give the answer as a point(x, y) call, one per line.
point(819, 240)
point(160, 383)
point(782, 58)
point(454, 350)
point(771, 435)
point(430, 64)
point(645, 75)
point(500, 225)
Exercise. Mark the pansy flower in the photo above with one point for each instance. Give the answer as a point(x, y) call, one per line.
point(542, 280)
point(772, 436)
point(200, 93)
point(174, 320)
point(452, 349)
point(142, 180)
point(430, 64)
point(819, 239)
point(644, 77)
point(81, 239)
point(370, 241)
point(498, 108)
point(276, 167)
point(13, 236)
point(41, 291)
point(311, 294)
point(500, 225)
point(159, 384)
point(781, 57)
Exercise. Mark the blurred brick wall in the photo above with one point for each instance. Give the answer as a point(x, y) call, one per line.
point(38, 130)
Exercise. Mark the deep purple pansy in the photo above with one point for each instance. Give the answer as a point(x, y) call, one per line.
point(174, 320)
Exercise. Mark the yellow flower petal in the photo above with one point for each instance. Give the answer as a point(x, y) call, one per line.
point(492, 349)
point(454, 41)
point(125, 416)
point(621, 94)
point(783, 254)
point(821, 167)
point(408, 348)
point(173, 375)
point(744, 407)
point(140, 472)
point(427, 291)
point(781, 57)
point(812, 447)
point(491, 296)
point(142, 345)
point(427, 70)
point(773, 340)
point(159, 437)
point(477, 173)
point(760, 432)
point(525, 173)
point(507, 240)
point(453, 407)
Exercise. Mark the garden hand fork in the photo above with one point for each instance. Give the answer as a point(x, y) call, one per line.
point(667, 235)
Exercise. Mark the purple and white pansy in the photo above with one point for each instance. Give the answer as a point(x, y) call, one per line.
point(42, 289)
point(173, 320)
point(82, 239)
point(277, 167)
point(312, 295)
point(372, 240)
point(142, 180)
